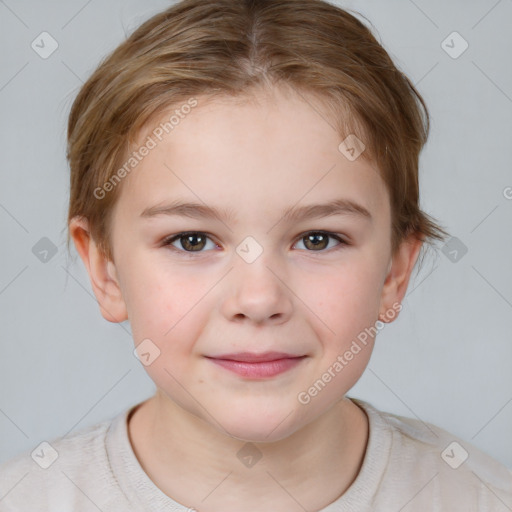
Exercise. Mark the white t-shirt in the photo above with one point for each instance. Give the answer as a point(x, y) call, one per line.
point(408, 466)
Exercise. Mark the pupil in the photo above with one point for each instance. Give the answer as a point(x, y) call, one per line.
point(314, 239)
point(190, 240)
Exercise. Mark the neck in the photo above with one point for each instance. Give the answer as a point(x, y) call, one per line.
point(202, 467)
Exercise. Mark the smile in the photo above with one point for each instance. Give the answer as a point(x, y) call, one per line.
point(259, 366)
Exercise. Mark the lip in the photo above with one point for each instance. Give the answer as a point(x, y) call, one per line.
point(259, 366)
point(251, 357)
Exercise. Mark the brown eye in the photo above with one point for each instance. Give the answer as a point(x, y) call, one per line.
point(190, 242)
point(193, 242)
point(318, 241)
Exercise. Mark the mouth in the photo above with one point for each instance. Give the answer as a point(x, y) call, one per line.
point(257, 366)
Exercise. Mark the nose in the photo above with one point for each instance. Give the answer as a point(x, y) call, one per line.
point(258, 292)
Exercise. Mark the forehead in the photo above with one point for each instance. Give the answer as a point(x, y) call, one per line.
point(255, 153)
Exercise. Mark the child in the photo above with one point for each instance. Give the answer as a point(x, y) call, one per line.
point(282, 137)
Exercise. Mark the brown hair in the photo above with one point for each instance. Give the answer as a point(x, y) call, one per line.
point(227, 47)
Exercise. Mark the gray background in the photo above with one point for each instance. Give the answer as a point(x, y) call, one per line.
point(446, 360)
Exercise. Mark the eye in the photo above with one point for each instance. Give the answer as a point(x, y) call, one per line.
point(319, 240)
point(191, 241)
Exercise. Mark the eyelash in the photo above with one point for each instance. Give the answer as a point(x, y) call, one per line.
point(167, 242)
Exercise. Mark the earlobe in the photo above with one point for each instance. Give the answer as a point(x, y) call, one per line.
point(101, 270)
point(398, 275)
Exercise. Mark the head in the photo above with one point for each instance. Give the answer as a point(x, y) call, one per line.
point(255, 109)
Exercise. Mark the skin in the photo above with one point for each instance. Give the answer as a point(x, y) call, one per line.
point(258, 157)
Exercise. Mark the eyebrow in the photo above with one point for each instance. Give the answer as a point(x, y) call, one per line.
point(291, 214)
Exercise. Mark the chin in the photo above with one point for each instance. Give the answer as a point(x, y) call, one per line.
point(258, 426)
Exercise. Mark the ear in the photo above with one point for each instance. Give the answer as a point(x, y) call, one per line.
point(397, 279)
point(101, 270)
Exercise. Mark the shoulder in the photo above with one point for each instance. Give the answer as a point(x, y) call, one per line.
point(60, 473)
point(429, 464)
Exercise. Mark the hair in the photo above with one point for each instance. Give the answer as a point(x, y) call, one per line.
point(234, 48)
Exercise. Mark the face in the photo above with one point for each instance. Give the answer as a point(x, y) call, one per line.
point(252, 280)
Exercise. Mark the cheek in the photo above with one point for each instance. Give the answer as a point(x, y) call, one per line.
point(163, 304)
point(347, 305)
point(170, 308)
point(169, 315)
point(346, 298)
